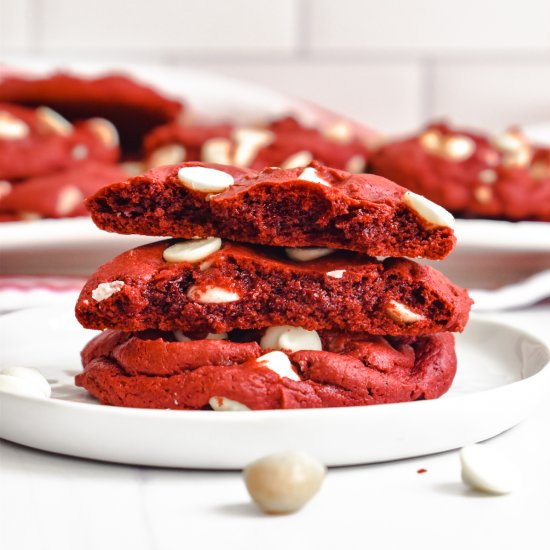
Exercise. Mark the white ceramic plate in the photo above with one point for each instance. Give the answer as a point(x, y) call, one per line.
point(501, 377)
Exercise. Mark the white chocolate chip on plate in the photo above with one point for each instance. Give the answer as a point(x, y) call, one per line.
point(428, 210)
point(483, 195)
point(219, 403)
point(12, 127)
point(192, 251)
point(290, 338)
point(30, 375)
point(212, 295)
point(104, 130)
point(307, 254)
point(279, 363)
point(172, 153)
point(52, 121)
point(486, 471)
point(282, 483)
point(68, 199)
point(310, 174)
point(205, 180)
point(301, 158)
point(401, 313)
point(106, 290)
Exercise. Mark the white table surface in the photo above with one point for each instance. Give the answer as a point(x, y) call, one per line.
point(56, 502)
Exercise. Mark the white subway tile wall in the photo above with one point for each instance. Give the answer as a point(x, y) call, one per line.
point(391, 64)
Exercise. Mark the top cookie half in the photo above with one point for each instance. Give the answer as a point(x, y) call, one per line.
point(308, 206)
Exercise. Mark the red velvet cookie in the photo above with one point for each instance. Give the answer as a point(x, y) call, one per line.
point(34, 142)
point(468, 174)
point(313, 206)
point(136, 370)
point(199, 286)
point(57, 195)
point(132, 107)
point(284, 142)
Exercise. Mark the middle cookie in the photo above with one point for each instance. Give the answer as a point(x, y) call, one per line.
point(213, 286)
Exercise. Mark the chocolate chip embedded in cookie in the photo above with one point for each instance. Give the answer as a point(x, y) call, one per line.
point(154, 371)
point(312, 206)
point(214, 287)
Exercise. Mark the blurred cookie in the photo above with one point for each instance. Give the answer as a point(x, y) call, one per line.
point(469, 174)
point(134, 108)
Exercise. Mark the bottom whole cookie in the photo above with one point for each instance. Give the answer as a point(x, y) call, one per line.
point(153, 370)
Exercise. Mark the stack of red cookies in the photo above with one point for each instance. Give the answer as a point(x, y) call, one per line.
point(275, 299)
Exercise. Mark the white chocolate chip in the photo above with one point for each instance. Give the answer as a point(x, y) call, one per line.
point(5, 188)
point(216, 336)
point(486, 471)
point(67, 200)
point(488, 176)
point(282, 483)
point(339, 132)
point(401, 313)
point(31, 375)
point(356, 164)
point(511, 140)
point(52, 121)
point(205, 180)
point(79, 152)
point(307, 254)
point(212, 295)
point(301, 158)
point(458, 148)
point(180, 336)
point(133, 168)
point(173, 153)
point(336, 274)
point(428, 210)
point(279, 363)
point(104, 130)
point(12, 127)
point(19, 386)
point(290, 338)
point(310, 174)
point(483, 195)
point(217, 151)
point(30, 216)
point(106, 290)
point(248, 141)
point(192, 251)
point(431, 141)
point(219, 403)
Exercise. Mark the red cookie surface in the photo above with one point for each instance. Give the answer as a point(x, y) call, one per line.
point(246, 287)
point(284, 142)
point(57, 195)
point(153, 371)
point(35, 142)
point(470, 175)
point(316, 206)
point(131, 106)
